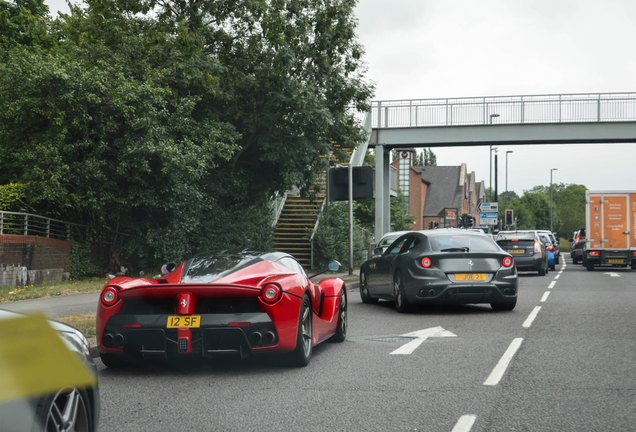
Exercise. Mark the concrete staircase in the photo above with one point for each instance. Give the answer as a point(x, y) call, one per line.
point(299, 216)
point(295, 226)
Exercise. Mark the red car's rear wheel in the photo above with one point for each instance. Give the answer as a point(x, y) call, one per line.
point(341, 328)
point(302, 354)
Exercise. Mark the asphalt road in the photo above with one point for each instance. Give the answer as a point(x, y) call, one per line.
point(573, 370)
point(56, 306)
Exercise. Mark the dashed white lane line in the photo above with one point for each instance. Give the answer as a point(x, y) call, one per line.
point(465, 423)
point(499, 370)
point(528, 322)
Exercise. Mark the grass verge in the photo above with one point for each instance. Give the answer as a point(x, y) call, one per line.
point(83, 322)
point(10, 294)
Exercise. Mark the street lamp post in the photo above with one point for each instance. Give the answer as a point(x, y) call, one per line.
point(496, 177)
point(492, 116)
point(507, 153)
point(551, 205)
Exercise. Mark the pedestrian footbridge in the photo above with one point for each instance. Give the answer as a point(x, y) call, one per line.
point(474, 121)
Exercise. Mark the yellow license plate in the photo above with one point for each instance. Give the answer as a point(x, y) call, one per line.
point(471, 277)
point(516, 251)
point(184, 321)
point(616, 261)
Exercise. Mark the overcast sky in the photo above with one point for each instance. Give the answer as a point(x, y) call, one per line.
point(419, 49)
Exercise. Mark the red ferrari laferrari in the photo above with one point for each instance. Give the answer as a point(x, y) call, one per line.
point(247, 303)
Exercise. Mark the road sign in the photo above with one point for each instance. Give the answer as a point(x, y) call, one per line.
point(488, 207)
point(488, 218)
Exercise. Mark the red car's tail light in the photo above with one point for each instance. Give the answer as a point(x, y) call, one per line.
point(110, 296)
point(506, 261)
point(426, 262)
point(271, 293)
point(634, 253)
point(594, 253)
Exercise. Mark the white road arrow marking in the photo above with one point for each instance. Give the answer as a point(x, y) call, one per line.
point(419, 337)
point(612, 274)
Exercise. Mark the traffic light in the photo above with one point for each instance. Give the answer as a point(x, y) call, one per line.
point(430, 225)
point(466, 221)
point(509, 217)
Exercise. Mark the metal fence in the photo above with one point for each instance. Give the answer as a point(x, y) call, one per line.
point(30, 224)
point(561, 108)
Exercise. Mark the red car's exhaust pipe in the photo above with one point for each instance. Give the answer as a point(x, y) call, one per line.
point(118, 340)
point(269, 338)
point(256, 338)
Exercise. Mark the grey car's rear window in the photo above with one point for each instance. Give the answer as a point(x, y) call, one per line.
point(516, 235)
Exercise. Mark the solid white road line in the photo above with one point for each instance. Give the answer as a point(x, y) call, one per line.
point(465, 423)
point(499, 370)
point(545, 296)
point(551, 284)
point(528, 322)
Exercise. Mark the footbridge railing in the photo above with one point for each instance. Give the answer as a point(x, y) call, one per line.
point(551, 108)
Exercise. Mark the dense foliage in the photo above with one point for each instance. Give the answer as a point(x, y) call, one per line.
point(532, 209)
point(166, 126)
point(80, 263)
point(332, 237)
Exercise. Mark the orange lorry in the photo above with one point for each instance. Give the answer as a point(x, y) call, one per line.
point(610, 217)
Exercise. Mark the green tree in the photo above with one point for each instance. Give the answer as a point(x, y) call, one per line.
point(569, 206)
point(332, 237)
point(23, 23)
point(425, 158)
point(167, 126)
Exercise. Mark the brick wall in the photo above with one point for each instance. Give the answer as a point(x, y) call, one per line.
point(33, 252)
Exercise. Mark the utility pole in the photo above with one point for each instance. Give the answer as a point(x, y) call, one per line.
point(492, 116)
point(551, 203)
point(496, 195)
point(507, 153)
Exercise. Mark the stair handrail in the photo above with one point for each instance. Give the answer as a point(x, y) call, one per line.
point(313, 233)
point(278, 207)
point(357, 156)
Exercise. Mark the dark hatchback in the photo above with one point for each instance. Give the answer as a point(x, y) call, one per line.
point(68, 409)
point(577, 245)
point(527, 249)
point(444, 266)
